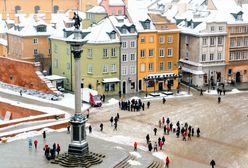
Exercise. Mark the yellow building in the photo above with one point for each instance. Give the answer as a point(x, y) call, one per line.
point(36, 6)
point(158, 54)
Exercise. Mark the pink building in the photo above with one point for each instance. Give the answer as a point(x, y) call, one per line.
point(114, 7)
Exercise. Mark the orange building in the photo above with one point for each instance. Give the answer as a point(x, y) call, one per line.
point(158, 55)
point(29, 41)
point(237, 50)
point(36, 6)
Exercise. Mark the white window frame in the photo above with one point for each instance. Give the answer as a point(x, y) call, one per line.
point(150, 67)
point(132, 69)
point(151, 52)
point(161, 39)
point(170, 52)
point(35, 41)
point(169, 64)
point(204, 41)
point(170, 39)
point(124, 70)
point(161, 66)
point(219, 56)
point(142, 67)
point(151, 39)
point(204, 56)
point(113, 52)
point(211, 56)
point(113, 67)
point(36, 51)
point(124, 44)
point(124, 58)
point(105, 53)
point(132, 57)
point(142, 40)
point(142, 53)
point(105, 68)
point(133, 44)
point(90, 68)
point(161, 52)
point(89, 53)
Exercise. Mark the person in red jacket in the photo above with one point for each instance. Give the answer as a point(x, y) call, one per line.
point(167, 162)
point(161, 144)
point(135, 146)
point(35, 144)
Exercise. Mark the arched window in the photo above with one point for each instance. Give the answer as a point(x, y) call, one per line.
point(17, 9)
point(36, 9)
point(55, 9)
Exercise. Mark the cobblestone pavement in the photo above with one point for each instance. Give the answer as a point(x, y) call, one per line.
point(223, 127)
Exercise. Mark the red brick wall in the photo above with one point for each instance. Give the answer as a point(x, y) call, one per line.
point(22, 74)
point(17, 112)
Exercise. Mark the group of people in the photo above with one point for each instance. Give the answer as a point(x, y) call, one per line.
point(133, 105)
point(113, 121)
point(50, 153)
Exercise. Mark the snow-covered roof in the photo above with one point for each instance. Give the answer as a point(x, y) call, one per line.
point(3, 42)
point(54, 77)
point(96, 9)
point(116, 3)
point(109, 80)
point(196, 72)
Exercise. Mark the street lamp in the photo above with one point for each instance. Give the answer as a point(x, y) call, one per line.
point(78, 144)
point(146, 86)
point(154, 85)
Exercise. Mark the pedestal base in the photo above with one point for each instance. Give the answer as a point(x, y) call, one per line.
point(78, 148)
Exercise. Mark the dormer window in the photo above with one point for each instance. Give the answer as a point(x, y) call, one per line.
point(239, 17)
point(124, 30)
point(132, 29)
point(147, 25)
point(112, 35)
point(41, 28)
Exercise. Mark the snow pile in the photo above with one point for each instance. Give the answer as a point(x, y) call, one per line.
point(112, 101)
point(134, 162)
point(135, 154)
point(159, 155)
point(118, 147)
point(235, 91)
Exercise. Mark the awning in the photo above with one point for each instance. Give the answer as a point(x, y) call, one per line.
point(196, 72)
point(160, 76)
point(54, 77)
point(110, 80)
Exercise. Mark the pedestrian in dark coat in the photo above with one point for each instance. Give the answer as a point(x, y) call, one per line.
point(115, 128)
point(163, 120)
point(219, 99)
point(198, 132)
point(147, 138)
point(155, 131)
point(224, 92)
point(192, 131)
point(143, 106)
point(58, 148)
point(201, 92)
point(171, 126)
point(103, 98)
point(101, 127)
point(168, 121)
point(163, 139)
point(90, 129)
point(111, 120)
point(44, 135)
point(148, 104)
point(68, 128)
point(159, 139)
point(164, 100)
point(150, 146)
point(212, 163)
point(118, 116)
point(165, 129)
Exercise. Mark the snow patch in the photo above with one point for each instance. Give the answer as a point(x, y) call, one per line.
point(118, 147)
point(159, 155)
point(112, 101)
point(134, 162)
point(135, 154)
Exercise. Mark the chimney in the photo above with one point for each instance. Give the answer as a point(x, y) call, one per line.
point(4, 16)
point(12, 16)
point(17, 20)
point(36, 18)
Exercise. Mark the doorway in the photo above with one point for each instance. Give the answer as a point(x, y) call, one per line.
point(160, 86)
point(140, 85)
point(237, 76)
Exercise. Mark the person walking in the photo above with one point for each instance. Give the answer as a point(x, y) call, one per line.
point(90, 129)
point(20, 92)
point(192, 131)
point(163, 120)
point(58, 148)
point(147, 138)
point(115, 128)
point(155, 131)
point(44, 135)
point(101, 127)
point(135, 145)
point(155, 148)
point(68, 128)
point(30, 143)
point(159, 123)
point(212, 163)
point(163, 139)
point(201, 94)
point(224, 92)
point(198, 132)
point(111, 120)
point(219, 100)
point(160, 144)
point(35, 144)
point(167, 162)
point(164, 100)
point(149, 146)
point(103, 98)
point(148, 104)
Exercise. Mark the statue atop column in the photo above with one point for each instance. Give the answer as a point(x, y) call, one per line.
point(77, 20)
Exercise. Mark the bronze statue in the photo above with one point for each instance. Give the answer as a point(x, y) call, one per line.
point(77, 20)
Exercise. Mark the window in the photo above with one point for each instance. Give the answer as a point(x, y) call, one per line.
point(124, 44)
point(132, 85)
point(89, 53)
point(132, 57)
point(238, 55)
point(35, 41)
point(68, 66)
point(150, 67)
point(56, 63)
point(161, 52)
point(113, 67)
point(229, 71)
point(212, 28)
point(124, 57)
point(245, 55)
point(239, 41)
point(219, 56)
point(203, 57)
point(112, 36)
point(113, 52)
point(119, 12)
point(55, 9)
point(161, 39)
point(232, 42)
point(211, 58)
point(231, 56)
point(221, 28)
point(220, 40)
point(124, 70)
point(105, 68)
point(112, 87)
point(132, 70)
point(212, 41)
point(106, 87)
point(142, 67)
point(17, 9)
point(36, 9)
point(89, 68)
point(169, 65)
point(204, 42)
point(142, 53)
point(105, 53)
point(41, 28)
point(142, 39)
point(246, 41)
point(124, 30)
point(170, 40)
point(132, 44)
point(161, 66)
point(151, 39)
point(151, 52)
point(169, 50)
point(35, 51)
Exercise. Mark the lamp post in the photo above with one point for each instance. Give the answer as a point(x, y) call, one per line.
point(154, 86)
point(146, 86)
point(208, 80)
point(78, 144)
